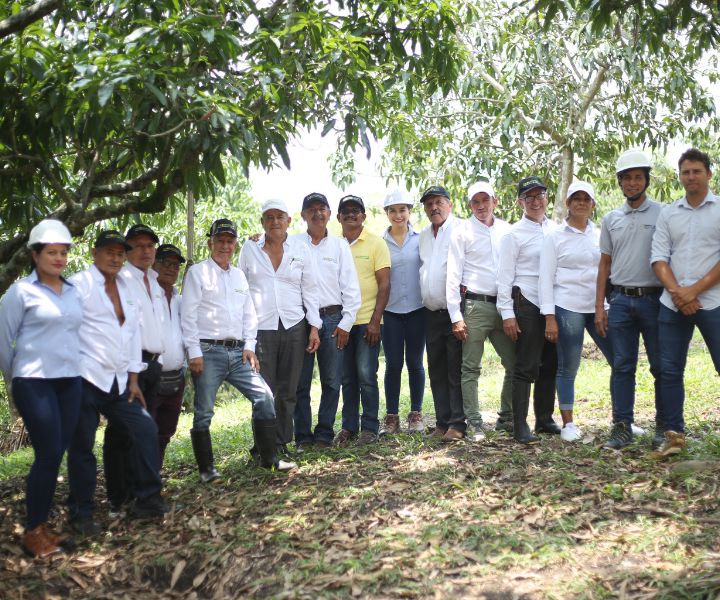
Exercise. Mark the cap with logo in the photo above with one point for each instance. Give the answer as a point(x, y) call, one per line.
point(580, 186)
point(480, 187)
point(50, 231)
point(275, 204)
point(434, 190)
point(140, 229)
point(350, 199)
point(222, 226)
point(530, 183)
point(314, 197)
point(110, 237)
point(168, 250)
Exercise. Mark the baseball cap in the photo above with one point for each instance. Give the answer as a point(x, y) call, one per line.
point(351, 199)
point(165, 250)
point(223, 226)
point(434, 190)
point(110, 237)
point(140, 229)
point(580, 186)
point(314, 197)
point(479, 187)
point(274, 203)
point(530, 183)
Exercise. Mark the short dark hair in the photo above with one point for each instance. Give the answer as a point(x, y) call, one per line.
point(695, 155)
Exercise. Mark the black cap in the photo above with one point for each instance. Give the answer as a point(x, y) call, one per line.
point(223, 226)
point(109, 237)
point(314, 197)
point(351, 199)
point(165, 250)
point(434, 190)
point(530, 183)
point(141, 229)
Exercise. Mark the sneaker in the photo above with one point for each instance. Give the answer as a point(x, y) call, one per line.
point(117, 512)
point(304, 446)
point(210, 475)
point(85, 526)
point(620, 436)
point(153, 507)
point(674, 444)
point(478, 435)
point(344, 437)
point(415, 422)
point(367, 437)
point(284, 466)
point(38, 544)
point(570, 433)
point(504, 425)
point(453, 435)
point(437, 434)
point(658, 439)
point(391, 425)
point(636, 429)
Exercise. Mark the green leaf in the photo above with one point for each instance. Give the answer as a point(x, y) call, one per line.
point(105, 92)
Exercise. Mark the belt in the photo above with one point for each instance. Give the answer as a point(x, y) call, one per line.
point(481, 297)
point(333, 309)
point(637, 292)
point(149, 356)
point(226, 343)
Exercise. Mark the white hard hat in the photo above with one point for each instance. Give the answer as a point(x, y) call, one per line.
point(580, 186)
point(397, 196)
point(50, 231)
point(480, 186)
point(275, 203)
point(632, 159)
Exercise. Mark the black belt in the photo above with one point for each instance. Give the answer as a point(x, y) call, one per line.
point(637, 292)
point(226, 343)
point(481, 297)
point(149, 356)
point(333, 309)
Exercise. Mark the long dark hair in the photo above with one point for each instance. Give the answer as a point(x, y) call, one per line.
point(35, 248)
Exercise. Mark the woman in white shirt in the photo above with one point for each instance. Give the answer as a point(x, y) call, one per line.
point(568, 276)
point(39, 351)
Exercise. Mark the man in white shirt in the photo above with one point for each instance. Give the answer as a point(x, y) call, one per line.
point(168, 403)
point(685, 251)
point(111, 358)
point(444, 350)
point(141, 282)
point(519, 307)
point(339, 300)
point(279, 272)
point(471, 291)
point(219, 326)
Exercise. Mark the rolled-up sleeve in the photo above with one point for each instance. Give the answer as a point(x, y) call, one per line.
point(661, 243)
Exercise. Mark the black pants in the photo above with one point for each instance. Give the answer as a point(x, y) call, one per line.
point(117, 444)
point(444, 353)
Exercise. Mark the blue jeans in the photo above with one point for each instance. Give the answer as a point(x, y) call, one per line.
point(359, 383)
point(143, 455)
point(225, 364)
point(49, 408)
point(628, 319)
point(330, 365)
point(404, 334)
point(571, 330)
point(676, 331)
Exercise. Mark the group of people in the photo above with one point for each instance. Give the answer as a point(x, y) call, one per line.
point(116, 338)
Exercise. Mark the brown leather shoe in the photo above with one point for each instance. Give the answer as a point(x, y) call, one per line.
point(437, 433)
point(36, 542)
point(65, 542)
point(344, 437)
point(453, 435)
point(391, 425)
point(415, 421)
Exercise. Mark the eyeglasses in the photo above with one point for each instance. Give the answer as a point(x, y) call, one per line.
point(534, 197)
point(351, 210)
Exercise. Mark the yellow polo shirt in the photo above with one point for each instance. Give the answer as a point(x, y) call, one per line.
point(370, 253)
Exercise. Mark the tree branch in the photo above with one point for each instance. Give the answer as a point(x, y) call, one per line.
point(126, 187)
point(28, 16)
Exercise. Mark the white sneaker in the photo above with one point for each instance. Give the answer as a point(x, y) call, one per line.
point(478, 435)
point(637, 430)
point(570, 433)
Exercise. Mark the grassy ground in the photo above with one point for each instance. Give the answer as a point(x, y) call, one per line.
point(405, 518)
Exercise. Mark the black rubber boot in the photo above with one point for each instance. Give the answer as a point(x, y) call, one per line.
point(266, 444)
point(521, 431)
point(202, 447)
point(543, 415)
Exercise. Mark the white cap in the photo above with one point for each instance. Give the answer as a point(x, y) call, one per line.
point(632, 159)
point(397, 196)
point(480, 186)
point(580, 186)
point(276, 204)
point(50, 231)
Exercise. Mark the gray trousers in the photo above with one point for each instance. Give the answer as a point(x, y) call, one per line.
point(281, 353)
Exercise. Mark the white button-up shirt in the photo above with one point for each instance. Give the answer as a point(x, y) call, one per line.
point(568, 269)
point(174, 356)
point(288, 294)
point(108, 350)
point(335, 275)
point(216, 305)
point(688, 239)
point(434, 258)
point(39, 330)
point(152, 313)
point(473, 260)
point(519, 263)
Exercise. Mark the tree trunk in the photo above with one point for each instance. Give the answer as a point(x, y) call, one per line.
point(567, 170)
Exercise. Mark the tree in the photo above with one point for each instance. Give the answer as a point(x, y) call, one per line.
point(559, 104)
point(112, 108)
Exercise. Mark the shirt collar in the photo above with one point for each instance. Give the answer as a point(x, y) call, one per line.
point(626, 208)
point(710, 198)
point(261, 240)
point(388, 237)
point(588, 229)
